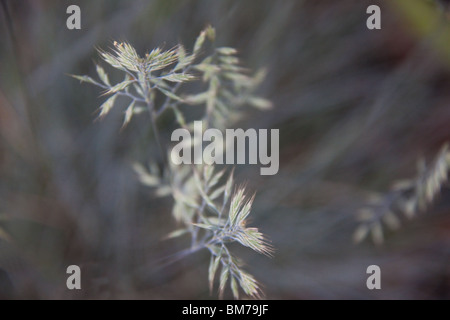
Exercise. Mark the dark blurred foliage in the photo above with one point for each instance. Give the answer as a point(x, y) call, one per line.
point(355, 109)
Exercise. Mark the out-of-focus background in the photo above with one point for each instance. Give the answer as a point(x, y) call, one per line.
point(356, 109)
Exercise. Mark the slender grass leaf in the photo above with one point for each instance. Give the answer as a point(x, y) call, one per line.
point(223, 279)
point(106, 107)
point(169, 94)
point(84, 79)
point(176, 234)
point(234, 288)
point(102, 75)
point(213, 265)
point(128, 114)
point(226, 51)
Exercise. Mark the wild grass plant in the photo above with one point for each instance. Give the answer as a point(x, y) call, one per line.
point(406, 198)
point(208, 205)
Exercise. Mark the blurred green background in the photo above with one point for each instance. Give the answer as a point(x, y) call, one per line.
point(355, 108)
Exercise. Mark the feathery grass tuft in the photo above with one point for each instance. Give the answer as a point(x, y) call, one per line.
point(204, 204)
point(408, 197)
